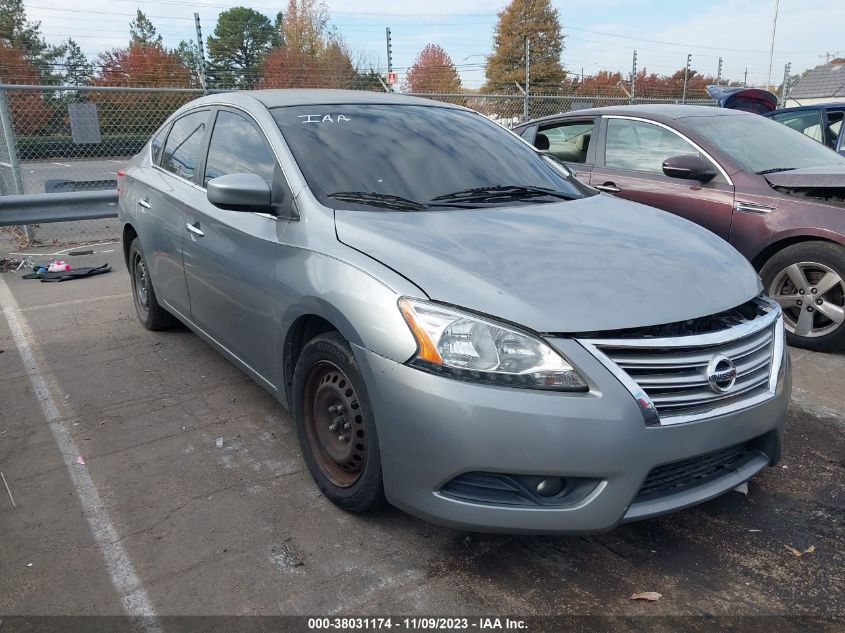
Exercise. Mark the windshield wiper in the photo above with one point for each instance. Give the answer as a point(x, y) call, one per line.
point(498, 193)
point(375, 199)
point(774, 170)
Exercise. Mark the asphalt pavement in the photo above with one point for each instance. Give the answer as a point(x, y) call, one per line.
point(124, 502)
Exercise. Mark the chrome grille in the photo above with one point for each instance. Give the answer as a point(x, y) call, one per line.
point(669, 376)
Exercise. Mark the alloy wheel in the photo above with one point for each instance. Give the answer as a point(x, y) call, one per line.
point(334, 424)
point(812, 296)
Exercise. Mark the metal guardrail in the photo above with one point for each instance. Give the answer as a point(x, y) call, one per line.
point(43, 208)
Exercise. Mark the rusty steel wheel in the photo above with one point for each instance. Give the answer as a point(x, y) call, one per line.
point(334, 425)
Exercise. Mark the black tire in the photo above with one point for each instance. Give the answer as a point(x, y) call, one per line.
point(814, 260)
point(151, 315)
point(347, 471)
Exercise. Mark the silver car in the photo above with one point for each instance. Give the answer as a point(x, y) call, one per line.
point(457, 325)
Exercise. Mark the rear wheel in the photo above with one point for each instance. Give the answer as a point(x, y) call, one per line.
point(151, 315)
point(335, 424)
point(808, 281)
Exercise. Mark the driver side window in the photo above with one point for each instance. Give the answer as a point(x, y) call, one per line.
point(237, 147)
point(641, 146)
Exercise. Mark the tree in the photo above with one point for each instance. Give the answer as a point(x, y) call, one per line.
point(538, 21)
point(28, 110)
point(432, 71)
point(309, 53)
point(142, 66)
point(189, 54)
point(241, 39)
point(78, 70)
point(142, 32)
point(21, 34)
point(305, 26)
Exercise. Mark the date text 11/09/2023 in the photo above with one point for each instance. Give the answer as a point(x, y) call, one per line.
point(417, 623)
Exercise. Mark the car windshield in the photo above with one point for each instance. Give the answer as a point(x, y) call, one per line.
point(411, 158)
point(760, 145)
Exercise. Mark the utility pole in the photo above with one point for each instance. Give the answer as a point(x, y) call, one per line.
point(784, 88)
point(745, 78)
point(633, 79)
point(389, 55)
point(200, 56)
point(527, 78)
point(686, 79)
point(719, 73)
point(772, 46)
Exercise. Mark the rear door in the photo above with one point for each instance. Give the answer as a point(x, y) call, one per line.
point(163, 202)
point(629, 164)
point(571, 141)
point(231, 256)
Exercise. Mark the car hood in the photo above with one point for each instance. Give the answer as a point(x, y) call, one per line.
point(599, 263)
point(816, 177)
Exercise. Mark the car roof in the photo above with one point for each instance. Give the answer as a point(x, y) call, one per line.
point(833, 105)
point(298, 97)
point(656, 111)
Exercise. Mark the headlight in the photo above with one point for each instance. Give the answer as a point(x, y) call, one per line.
point(467, 347)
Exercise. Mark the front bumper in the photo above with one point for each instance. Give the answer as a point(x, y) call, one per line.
point(432, 429)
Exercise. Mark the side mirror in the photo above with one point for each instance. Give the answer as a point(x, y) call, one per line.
point(688, 167)
point(240, 192)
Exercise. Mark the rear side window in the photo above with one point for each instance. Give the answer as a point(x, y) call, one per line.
point(158, 144)
point(237, 147)
point(181, 152)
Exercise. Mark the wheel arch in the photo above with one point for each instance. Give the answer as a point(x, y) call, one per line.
point(127, 236)
point(785, 240)
point(304, 328)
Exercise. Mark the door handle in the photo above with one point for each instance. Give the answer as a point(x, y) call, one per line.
point(608, 187)
point(144, 204)
point(193, 228)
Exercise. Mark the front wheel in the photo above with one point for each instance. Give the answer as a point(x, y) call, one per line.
point(335, 424)
point(808, 281)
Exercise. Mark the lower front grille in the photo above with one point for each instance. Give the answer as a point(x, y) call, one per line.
point(688, 473)
point(500, 489)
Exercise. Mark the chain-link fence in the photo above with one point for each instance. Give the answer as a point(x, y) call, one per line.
point(62, 139)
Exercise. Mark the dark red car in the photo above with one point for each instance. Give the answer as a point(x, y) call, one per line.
point(776, 195)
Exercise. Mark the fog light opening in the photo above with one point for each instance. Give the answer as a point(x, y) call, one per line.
point(550, 486)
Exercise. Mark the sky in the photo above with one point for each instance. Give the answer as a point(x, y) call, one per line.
point(600, 34)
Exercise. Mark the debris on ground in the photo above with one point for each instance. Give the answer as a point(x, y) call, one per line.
point(652, 596)
point(798, 553)
point(79, 460)
point(8, 264)
point(56, 272)
point(742, 488)
point(219, 442)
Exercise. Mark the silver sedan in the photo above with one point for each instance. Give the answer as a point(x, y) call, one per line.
point(457, 325)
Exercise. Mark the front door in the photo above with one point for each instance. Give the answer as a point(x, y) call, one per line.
point(630, 165)
point(231, 256)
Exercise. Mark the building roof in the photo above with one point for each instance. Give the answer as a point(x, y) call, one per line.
point(824, 81)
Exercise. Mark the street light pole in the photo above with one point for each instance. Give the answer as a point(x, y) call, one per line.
point(772, 46)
